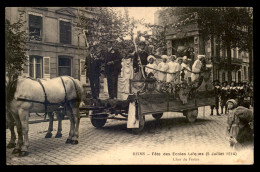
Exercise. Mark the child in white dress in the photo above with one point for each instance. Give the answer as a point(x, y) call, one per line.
point(151, 64)
point(163, 66)
point(174, 67)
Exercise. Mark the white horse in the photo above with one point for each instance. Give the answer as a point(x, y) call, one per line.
point(60, 115)
point(32, 96)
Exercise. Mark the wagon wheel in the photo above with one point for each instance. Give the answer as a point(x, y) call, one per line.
point(191, 115)
point(157, 116)
point(98, 123)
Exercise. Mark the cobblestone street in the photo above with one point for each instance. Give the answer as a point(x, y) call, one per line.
point(115, 144)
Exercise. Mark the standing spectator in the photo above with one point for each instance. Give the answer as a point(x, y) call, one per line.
point(163, 66)
point(112, 68)
point(217, 91)
point(232, 120)
point(92, 66)
point(223, 97)
point(251, 93)
point(233, 90)
point(240, 126)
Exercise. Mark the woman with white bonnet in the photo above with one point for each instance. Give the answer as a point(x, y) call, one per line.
point(151, 64)
point(163, 66)
point(196, 67)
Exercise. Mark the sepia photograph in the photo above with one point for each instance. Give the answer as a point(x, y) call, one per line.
point(129, 86)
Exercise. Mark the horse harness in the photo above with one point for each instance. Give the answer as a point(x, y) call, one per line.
point(46, 101)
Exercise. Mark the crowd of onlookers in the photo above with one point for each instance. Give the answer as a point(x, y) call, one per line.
point(242, 92)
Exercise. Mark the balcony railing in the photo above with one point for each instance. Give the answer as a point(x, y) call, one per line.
point(224, 60)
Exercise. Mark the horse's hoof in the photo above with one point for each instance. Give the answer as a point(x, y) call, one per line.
point(48, 135)
point(58, 135)
point(11, 145)
point(16, 151)
point(74, 142)
point(23, 153)
point(68, 141)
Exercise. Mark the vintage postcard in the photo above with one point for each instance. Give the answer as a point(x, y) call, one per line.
point(129, 86)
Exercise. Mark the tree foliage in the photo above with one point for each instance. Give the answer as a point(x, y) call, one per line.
point(232, 26)
point(109, 24)
point(15, 51)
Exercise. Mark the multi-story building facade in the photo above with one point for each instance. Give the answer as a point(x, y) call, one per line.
point(56, 45)
point(190, 36)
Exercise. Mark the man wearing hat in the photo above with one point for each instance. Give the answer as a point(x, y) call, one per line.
point(196, 67)
point(92, 66)
point(217, 91)
point(112, 69)
point(223, 97)
point(143, 56)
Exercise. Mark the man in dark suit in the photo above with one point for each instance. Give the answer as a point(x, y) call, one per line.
point(217, 91)
point(112, 68)
point(92, 65)
point(143, 56)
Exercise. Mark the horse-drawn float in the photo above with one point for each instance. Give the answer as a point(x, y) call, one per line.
point(149, 96)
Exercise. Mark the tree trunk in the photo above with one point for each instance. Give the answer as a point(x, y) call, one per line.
point(229, 62)
point(213, 56)
point(218, 54)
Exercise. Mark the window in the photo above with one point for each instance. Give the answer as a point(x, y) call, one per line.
point(239, 76)
point(35, 67)
point(35, 27)
point(64, 65)
point(223, 76)
point(46, 67)
point(234, 53)
point(245, 73)
point(65, 32)
point(82, 68)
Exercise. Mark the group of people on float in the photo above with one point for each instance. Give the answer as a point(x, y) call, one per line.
point(170, 66)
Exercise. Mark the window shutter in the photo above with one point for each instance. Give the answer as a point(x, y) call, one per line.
point(82, 69)
point(61, 31)
point(46, 67)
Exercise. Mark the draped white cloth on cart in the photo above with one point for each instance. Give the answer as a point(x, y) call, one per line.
point(127, 73)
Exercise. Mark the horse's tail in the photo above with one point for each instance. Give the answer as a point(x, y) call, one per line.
point(80, 92)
